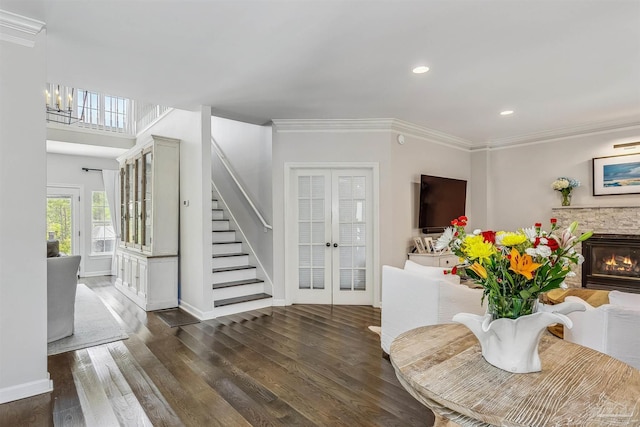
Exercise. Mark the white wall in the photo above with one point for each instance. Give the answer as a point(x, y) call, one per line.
point(410, 160)
point(23, 271)
point(193, 129)
point(67, 170)
point(520, 177)
point(247, 148)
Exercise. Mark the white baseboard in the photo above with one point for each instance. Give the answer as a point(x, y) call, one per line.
point(96, 273)
point(199, 314)
point(21, 391)
point(279, 302)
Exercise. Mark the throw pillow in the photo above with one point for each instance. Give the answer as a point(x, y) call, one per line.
point(53, 248)
point(432, 272)
point(625, 299)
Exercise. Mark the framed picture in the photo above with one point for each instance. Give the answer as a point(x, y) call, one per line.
point(419, 244)
point(428, 244)
point(616, 175)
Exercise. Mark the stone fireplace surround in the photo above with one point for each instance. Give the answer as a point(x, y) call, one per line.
point(601, 220)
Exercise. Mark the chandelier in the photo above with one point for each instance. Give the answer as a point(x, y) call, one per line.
point(60, 106)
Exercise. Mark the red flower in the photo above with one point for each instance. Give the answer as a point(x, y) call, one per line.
point(553, 220)
point(538, 224)
point(553, 244)
point(454, 222)
point(463, 218)
point(454, 270)
point(489, 236)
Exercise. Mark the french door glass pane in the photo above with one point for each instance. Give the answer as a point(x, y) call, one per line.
point(147, 199)
point(352, 232)
point(59, 225)
point(311, 232)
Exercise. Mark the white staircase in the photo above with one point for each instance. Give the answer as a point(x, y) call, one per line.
point(236, 284)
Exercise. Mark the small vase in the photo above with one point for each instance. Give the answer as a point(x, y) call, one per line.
point(566, 198)
point(512, 344)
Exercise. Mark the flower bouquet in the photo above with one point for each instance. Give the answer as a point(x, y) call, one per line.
point(565, 186)
point(514, 267)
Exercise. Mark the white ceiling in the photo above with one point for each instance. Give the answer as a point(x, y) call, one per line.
point(559, 64)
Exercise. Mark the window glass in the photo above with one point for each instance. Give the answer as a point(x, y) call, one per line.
point(103, 237)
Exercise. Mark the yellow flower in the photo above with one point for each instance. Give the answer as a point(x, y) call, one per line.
point(479, 270)
point(475, 247)
point(511, 239)
point(522, 264)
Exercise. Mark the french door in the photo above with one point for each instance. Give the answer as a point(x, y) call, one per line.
point(333, 231)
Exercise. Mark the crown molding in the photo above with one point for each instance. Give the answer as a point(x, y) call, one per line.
point(563, 133)
point(369, 125)
point(19, 29)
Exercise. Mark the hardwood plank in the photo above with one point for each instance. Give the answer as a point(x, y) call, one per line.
point(96, 406)
point(155, 405)
point(67, 410)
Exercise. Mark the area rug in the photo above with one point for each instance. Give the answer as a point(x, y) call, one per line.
point(175, 317)
point(93, 325)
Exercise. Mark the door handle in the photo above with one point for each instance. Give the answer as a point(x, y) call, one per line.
point(328, 244)
point(335, 245)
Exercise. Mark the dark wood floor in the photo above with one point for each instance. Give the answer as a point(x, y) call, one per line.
point(301, 365)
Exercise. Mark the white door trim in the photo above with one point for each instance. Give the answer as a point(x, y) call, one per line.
point(289, 236)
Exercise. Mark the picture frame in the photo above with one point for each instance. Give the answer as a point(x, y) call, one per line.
point(428, 245)
point(614, 175)
point(419, 244)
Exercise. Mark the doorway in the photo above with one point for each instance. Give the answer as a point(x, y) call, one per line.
point(330, 244)
point(63, 218)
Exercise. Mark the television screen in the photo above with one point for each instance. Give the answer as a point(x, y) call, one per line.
point(441, 200)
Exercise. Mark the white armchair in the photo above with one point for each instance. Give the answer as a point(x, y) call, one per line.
point(610, 328)
point(421, 296)
point(62, 281)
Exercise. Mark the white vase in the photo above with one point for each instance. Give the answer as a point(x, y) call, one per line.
point(512, 344)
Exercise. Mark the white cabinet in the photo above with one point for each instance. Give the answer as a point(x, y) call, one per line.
point(147, 253)
point(435, 260)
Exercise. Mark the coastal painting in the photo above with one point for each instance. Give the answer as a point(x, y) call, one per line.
point(616, 175)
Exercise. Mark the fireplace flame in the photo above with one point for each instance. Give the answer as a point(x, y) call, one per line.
point(612, 263)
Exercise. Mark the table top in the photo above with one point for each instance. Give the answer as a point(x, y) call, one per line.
point(442, 367)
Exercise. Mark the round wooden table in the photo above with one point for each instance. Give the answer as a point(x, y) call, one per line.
point(442, 367)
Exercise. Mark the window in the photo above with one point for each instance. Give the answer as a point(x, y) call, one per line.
point(103, 237)
point(104, 112)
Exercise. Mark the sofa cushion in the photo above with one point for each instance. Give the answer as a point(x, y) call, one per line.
point(625, 299)
point(431, 272)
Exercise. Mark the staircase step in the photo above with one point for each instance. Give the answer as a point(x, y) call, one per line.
point(226, 247)
point(238, 300)
point(224, 236)
point(231, 274)
point(220, 224)
point(217, 213)
point(228, 255)
point(233, 260)
point(223, 269)
point(236, 283)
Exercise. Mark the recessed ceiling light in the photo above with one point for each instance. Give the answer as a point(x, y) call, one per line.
point(506, 112)
point(421, 69)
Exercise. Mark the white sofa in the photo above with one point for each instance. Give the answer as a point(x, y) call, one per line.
point(419, 296)
point(610, 328)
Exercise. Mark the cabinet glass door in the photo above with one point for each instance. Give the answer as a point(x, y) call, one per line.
point(139, 178)
point(123, 205)
point(131, 208)
point(147, 198)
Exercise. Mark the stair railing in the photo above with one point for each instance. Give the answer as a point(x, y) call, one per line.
point(226, 165)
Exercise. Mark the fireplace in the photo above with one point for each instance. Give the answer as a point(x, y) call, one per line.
point(612, 262)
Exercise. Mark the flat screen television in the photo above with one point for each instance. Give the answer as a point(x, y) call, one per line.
point(441, 200)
